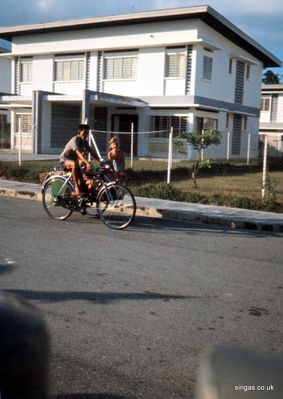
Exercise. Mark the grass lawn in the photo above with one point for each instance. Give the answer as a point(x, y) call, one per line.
point(236, 183)
point(248, 184)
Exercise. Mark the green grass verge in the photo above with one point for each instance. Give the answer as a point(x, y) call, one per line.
point(221, 184)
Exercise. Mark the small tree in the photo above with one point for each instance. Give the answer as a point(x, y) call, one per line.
point(199, 141)
point(270, 78)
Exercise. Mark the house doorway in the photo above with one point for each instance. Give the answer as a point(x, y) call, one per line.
point(123, 123)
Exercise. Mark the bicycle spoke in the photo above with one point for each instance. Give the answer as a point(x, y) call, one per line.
point(116, 206)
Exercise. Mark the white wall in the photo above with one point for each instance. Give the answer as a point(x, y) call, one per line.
point(280, 109)
point(222, 85)
point(5, 75)
point(265, 116)
point(151, 40)
point(93, 70)
point(133, 36)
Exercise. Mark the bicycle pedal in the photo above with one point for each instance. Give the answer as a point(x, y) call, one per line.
point(83, 211)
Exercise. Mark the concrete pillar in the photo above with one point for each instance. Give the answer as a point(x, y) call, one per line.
point(85, 106)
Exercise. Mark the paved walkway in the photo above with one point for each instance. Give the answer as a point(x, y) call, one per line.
point(13, 155)
point(217, 215)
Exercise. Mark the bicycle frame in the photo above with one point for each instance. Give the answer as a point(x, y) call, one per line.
point(113, 203)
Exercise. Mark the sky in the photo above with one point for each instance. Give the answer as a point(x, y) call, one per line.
point(260, 19)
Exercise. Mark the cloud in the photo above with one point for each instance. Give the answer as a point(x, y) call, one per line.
point(252, 7)
point(45, 5)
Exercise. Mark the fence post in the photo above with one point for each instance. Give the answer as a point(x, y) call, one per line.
point(248, 149)
point(91, 138)
point(2, 133)
point(170, 150)
point(228, 146)
point(132, 144)
point(264, 167)
point(201, 152)
point(20, 141)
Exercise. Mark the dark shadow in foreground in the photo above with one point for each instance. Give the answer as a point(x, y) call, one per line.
point(103, 298)
point(88, 396)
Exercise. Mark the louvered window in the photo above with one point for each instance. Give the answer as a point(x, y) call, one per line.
point(25, 70)
point(207, 68)
point(25, 122)
point(69, 69)
point(265, 104)
point(205, 124)
point(161, 123)
point(120, 67)
point(175, 63)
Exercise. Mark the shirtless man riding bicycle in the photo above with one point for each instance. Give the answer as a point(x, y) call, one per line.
point(75, 154)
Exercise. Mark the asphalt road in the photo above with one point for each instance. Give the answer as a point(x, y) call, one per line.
point(130, 312)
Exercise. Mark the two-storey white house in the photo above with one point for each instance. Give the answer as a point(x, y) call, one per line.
point(189, 68)
point(271, 117)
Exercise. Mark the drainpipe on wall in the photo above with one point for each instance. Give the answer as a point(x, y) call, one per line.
point(34, 121)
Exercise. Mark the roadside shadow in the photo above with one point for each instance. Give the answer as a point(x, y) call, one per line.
point(4, 268)
point(166, 226)
point(88, 396)
point(101, 298)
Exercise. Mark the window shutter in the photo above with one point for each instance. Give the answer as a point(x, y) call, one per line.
point(120, 67)
point(175, 65)
point(68, 70)
point(207, 68)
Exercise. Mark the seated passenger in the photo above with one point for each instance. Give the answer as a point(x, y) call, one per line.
point(117, 156)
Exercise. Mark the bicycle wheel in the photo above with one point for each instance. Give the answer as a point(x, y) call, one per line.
point(116, 206)
point(54, 196)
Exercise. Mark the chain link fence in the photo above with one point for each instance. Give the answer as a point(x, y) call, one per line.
point(254, 173)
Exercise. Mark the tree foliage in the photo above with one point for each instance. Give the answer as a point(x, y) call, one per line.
point(270, 78)
point(199, 141)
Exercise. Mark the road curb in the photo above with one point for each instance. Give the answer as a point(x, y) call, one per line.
point(24, 194)
point(230, 222)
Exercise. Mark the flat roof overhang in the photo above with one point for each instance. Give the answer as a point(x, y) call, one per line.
point(205, 13)
point(97, 98)
point(10, 101)
point(93, 97)
point(273, 88)
point(271, 126)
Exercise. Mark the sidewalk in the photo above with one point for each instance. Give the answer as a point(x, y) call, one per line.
point(217, 215)
point(13, 155)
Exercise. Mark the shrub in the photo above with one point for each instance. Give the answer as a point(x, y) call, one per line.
point(159, 190)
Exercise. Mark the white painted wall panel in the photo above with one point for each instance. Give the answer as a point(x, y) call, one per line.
point(93, 71)
point(280, 109)
point(5, 75)
point(25, 89)
point(71, 88)
point(151, 71)
point(222, 85)
point(265, 116)
point(42, 72)
point(174, 87)
point(133, 36)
